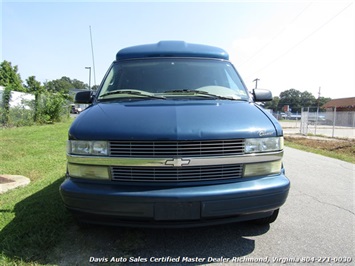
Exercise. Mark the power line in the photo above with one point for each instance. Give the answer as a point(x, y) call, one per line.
point(276, 35)
point(309, 35)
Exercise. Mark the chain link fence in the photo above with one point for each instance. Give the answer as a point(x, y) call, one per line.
point(331, 123)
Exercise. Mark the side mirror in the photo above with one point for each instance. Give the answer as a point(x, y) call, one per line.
point(261, 95)
point(84, 97)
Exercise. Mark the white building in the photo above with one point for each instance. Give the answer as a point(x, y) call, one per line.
point(18, 99)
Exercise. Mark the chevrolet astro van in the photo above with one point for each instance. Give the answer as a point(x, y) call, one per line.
point(173, 138)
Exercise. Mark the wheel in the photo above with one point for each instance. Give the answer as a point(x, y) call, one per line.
point(267, 220)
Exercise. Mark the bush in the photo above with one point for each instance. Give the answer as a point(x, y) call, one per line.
point(5, 110)
point(20, 116)
point(49, 108)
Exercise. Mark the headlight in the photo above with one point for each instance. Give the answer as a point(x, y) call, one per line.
point(84, 147)
point(264, 144)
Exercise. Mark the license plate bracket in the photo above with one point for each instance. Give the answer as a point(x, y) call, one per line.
point(165, 211)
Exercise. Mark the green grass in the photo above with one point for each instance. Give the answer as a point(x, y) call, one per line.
point(344, 156)
point(35, 228)
point(32, 218)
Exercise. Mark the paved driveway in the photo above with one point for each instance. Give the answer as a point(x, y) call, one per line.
point(318, 218)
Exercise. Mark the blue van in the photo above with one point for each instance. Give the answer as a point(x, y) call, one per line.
point(173, 138)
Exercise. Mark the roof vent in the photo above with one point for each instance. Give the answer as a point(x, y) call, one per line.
point(172, 49)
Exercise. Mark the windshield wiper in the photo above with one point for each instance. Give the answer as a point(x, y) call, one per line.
point(133, 92)
point(203, 93)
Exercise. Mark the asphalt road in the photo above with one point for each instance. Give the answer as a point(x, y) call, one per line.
point(315, 226)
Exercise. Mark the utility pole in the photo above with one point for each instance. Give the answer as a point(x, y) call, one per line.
point(318, 98)
point(315, 130)
point(256, 82)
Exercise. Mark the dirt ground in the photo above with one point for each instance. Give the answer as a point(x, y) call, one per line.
point(340, 146)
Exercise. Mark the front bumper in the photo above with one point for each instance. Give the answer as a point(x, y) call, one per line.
point(179, 206)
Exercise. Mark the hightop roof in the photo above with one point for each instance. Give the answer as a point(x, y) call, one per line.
point(172, 49)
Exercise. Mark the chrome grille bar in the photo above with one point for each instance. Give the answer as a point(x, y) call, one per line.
point(176, 148)
point(206, 173)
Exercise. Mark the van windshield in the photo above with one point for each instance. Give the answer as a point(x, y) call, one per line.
point(173, 77)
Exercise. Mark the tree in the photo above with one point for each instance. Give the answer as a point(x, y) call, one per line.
point(292, 98)
point(35, 87)
point(273, 105)
point(297, 100)
point(95, 87)
point(64, 84)
point(52, 107)
point(9, 76)
point(308, 100)
point(322, 101)
point(6, 98)
point(77, 84)
point(11, 81)
point(58, 85)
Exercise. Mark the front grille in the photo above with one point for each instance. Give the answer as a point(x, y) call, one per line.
point(168, 149)
point(163, 174)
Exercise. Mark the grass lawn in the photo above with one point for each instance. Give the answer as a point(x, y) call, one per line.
point(342, 149)
point(35, 228)
point(33, 218)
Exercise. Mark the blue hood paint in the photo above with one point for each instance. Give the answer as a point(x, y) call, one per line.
point(172, 120)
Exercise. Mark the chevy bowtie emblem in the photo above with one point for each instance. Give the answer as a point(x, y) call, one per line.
point(177, 162)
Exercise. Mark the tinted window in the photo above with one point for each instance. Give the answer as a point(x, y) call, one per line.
point(161, 75)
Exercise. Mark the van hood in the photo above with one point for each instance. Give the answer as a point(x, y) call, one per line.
point(173, 120)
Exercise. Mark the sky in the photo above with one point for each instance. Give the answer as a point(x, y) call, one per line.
point(302, 45)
